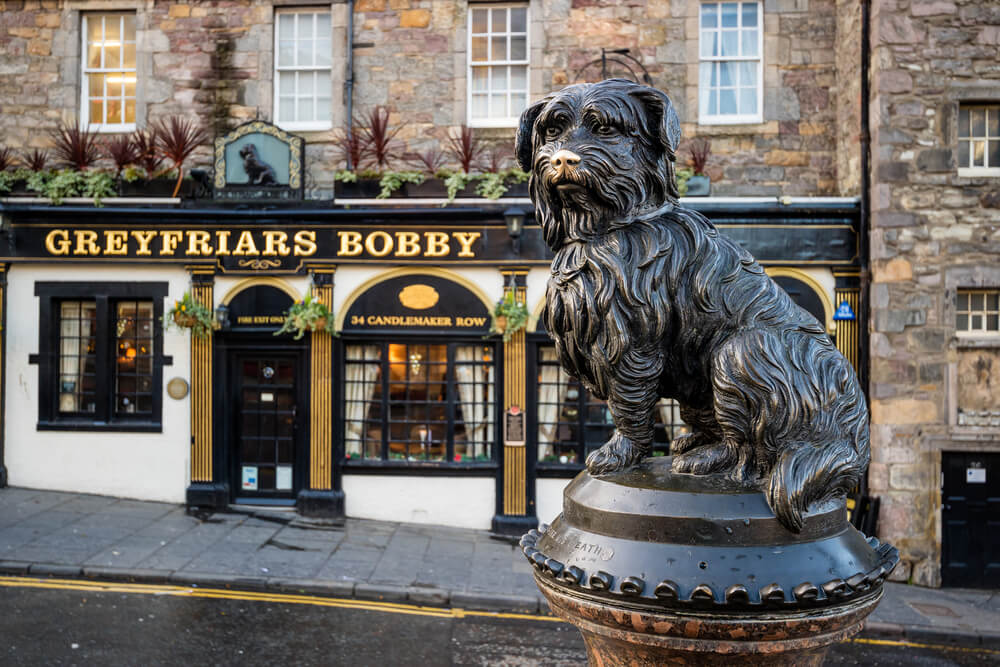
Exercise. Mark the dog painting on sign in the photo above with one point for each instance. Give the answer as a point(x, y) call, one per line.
point(647, 300)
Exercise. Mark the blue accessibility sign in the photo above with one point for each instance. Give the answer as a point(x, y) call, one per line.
point(844, 312)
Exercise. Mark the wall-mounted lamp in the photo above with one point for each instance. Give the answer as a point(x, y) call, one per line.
point(514, 217)
point(221, 318)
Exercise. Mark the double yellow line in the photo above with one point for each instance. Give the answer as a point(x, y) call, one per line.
point(281, 598)
point(347, 603)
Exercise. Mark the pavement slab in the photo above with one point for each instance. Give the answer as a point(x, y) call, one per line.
point(71, 535)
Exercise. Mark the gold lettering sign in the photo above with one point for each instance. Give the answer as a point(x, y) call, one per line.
point(415, 321)
point(419, 297)
point(179, 244)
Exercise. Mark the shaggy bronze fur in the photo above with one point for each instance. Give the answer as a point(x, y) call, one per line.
point(647, 300)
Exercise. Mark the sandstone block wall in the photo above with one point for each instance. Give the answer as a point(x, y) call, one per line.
point(214, 59)
point(932, 232)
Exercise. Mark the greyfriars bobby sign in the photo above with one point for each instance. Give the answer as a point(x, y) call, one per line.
point(259, 160)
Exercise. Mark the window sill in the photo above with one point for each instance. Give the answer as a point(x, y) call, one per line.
point(305, 127)
point(730, 120)
point(438, 469)
point(110, 129)
point(107, 427)
point(974, 341)
point(503, 123)
point(973, 172)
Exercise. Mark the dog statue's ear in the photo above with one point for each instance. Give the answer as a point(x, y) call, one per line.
point(660, 110)
point(523, 144)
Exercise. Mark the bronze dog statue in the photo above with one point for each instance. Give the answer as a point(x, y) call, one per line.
point(647, 300)
point(258, 172)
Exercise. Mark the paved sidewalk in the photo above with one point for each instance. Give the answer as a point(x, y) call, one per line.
point(73, 535)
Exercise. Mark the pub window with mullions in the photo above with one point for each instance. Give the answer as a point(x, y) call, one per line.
point(419, 402)
point(101, 357)
point(571, 423)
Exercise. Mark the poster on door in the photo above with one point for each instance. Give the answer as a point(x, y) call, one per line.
point(284, 478)
point(249, 478)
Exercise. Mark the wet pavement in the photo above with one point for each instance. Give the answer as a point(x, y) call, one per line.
point(55, 626)
point(46, 533)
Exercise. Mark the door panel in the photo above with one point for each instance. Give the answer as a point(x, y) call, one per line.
point(970, 518)
point(266, 425)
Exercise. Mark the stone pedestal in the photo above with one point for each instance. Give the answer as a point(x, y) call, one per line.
point(658, 568)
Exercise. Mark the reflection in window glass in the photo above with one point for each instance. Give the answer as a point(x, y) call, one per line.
point(498, 62)
point(134, 358)
point(728, 86)
point(77, 357)
point(109, 69)
point(420, 402)
point(572, 423)
point(303, 60)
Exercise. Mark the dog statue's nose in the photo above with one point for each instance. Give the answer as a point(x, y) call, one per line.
point(564, 161)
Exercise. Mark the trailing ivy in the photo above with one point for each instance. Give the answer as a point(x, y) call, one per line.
point(684, 174)
point(57, 185)
point(394, 180)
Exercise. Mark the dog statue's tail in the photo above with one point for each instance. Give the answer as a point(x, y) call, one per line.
point(806, 473)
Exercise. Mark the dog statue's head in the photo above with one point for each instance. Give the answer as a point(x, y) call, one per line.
point(599, 155)
point(248, 150)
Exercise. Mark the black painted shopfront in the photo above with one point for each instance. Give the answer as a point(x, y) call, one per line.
point(412, 384)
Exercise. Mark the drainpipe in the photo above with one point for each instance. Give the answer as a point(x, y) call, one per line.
point(349, 74)
point(864, 221)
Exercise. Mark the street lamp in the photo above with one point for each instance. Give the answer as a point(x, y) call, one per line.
point(514, 217)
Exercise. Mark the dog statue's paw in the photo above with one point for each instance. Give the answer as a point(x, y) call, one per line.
point(704, 459)
point(686, 442)
point(616, 454)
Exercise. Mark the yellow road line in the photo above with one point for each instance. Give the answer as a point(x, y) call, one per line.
point(942, 647)
point(256, 596)
point(350, 603)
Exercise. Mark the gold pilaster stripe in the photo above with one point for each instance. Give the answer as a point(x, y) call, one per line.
point(201, 396)
point(848, 341)
point(321, 401)
point(515, 492)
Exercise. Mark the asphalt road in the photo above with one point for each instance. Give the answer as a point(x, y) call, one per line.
point(86, 623)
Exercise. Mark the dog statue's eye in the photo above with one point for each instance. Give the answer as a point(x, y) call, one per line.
point(606, 130)
point(552, 131)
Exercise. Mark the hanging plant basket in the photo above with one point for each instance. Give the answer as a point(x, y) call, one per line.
point(189, 313)
point(308, 315)
point(509, 317)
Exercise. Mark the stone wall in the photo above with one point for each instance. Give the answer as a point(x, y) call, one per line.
point(214, 59)
point(932, 233)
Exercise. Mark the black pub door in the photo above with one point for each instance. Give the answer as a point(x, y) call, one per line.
point(970, 519)
point(266, 429)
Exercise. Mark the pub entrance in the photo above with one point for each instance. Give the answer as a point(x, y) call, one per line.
point(265, 435)
point(262, 399)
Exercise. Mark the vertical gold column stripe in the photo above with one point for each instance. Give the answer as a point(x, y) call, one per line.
point(848, 341)
point(201, 396)
point(321, 401)
point(514, 469)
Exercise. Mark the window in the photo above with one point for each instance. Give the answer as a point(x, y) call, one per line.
point(109, 74)
point(730, 71)
point(303, 70)
point(977, 311)
point(979, 140)
point(101, 362)
point(420, 402)
point(572, 423)
point(498, 64)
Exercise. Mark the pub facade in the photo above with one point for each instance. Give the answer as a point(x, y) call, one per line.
point(411, 410)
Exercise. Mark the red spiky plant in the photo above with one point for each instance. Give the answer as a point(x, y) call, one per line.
point(35, 160)
point(121, 150)
point(496, 158)
point(430, 161)
point(352, 146)
point(75, 146)
point(176, 138)
point(7, 159)
point(380, 137)
point(147, 156)
point(700, 149)
point(466, 148)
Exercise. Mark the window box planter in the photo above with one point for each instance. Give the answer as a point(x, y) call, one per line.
point(363, 188)
point(699, 186)
point(157, 187)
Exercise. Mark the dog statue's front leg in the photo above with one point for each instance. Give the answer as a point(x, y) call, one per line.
point(633, 397)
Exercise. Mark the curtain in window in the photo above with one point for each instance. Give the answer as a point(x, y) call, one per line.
point(551, 392)
point(74, 339)
point(361, 382)
point(476, 387)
